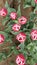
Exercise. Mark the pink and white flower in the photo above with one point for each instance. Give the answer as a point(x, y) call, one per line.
point(16, 27)
point(2, 38)
point(21, 37)
point(36, 64)
point(22, 20)
point(34, 34)
point(13, 15)
point(20, 59)
point(3, 12)
point(35, 1)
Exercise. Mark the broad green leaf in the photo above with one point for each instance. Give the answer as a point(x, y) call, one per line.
point(33, 3)
point(6, 19)
point(27, 6)
point(8, 29)
point(35, 9)
point(19, 11)
point(9, 9)
point(7, 5)
point(29, 1)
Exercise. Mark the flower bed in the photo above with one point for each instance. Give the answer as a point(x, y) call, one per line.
point(18, 34)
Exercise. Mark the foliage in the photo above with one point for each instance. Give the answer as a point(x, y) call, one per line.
point(29, 47)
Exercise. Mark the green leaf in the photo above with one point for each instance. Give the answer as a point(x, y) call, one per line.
point(28, 40)
point(5, 20)
point(9, 40)
point(15, 33)
point(33, 3)
point(19, 11)
point(21, 46)
point(9, 9)
point(0, 57)
point(32, 15)
point(6, 4)
point(32, 62)
point(35, 9)
point(35, 57)
point(34, 27)
point(27, 6)
point(8, 29)
point(31, 24)
point(19, 1)
point(15, 21)
point(5, 34)
point(15, 51)
point(28, 1)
